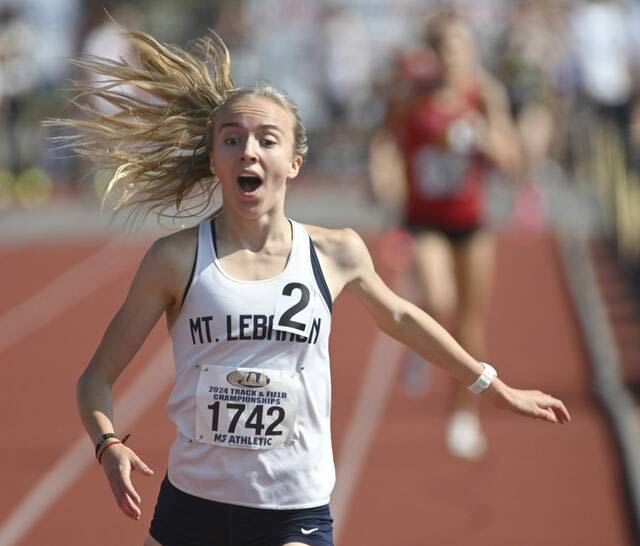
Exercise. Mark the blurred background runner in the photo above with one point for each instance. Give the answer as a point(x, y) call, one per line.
point(451, 123)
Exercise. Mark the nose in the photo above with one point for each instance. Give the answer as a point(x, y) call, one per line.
point(249, 153)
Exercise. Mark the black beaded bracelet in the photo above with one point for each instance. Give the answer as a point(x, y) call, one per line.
point(103, 439)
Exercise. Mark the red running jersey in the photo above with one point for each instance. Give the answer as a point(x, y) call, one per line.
point(444, 170)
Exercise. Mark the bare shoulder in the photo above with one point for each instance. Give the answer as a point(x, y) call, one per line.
point(343, 246)
point(176, 249)
point(168, 262)
point(343, 255)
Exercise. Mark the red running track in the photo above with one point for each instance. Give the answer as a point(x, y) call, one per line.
point(538, 484)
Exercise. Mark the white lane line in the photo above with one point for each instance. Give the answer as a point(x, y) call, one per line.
point(383, 365)
point(140, 395)
point(62, 292)
point(372, 400)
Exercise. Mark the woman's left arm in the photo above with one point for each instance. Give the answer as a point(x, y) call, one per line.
point(416, 329)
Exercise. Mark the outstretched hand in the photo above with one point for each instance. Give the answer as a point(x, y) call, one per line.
point(119, 462)
point(530, 403)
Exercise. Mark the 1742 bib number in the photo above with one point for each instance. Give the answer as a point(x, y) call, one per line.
point(243, 408)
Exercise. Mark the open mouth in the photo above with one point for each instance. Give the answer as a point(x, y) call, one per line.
point(249, 184)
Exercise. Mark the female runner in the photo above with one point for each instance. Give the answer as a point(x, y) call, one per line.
point(450, 120)
point(247, 296)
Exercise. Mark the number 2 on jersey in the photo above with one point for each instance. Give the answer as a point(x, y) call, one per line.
point(294, 318)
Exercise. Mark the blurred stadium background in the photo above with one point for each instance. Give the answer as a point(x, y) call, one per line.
point(575, 61)
point(572, 70)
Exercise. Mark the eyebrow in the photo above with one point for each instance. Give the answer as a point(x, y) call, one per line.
point(237, 125)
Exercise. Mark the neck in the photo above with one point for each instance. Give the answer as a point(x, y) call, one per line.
point(253, 233)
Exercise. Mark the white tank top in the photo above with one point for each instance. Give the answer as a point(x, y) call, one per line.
point(252, 394)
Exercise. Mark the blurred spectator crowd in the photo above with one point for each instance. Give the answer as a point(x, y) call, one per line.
point(571, 67)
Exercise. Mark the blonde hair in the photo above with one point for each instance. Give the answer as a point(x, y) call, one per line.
point(157, 142)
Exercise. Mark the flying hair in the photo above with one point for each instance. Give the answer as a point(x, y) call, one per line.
point(156, 141)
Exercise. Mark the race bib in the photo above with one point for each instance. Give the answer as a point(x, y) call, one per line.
point(440, 173)
point(246, 408)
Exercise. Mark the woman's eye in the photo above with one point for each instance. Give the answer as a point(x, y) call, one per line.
point(267, 142)
point(231, 140)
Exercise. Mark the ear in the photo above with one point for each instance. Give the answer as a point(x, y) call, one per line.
point(212, 167)
point(294, 168)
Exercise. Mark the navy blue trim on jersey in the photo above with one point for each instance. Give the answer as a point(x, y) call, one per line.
point(193, 270)
point(315, 265)
point(317, 273)
point(213, 236)
point(181, 519)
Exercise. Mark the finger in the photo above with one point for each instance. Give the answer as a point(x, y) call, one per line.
point(131, 508)
point(142, 466)
point(561, 412)
point(547, 414)
point(129, 489)
point(121, 483)
point(119, 493)
point(127, 507)
point(559, 409)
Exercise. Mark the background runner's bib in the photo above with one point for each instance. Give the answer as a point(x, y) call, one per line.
point(440, 172)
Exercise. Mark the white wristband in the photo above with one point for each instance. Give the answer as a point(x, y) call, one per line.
point(488, 374)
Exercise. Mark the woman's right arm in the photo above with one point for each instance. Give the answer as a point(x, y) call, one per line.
point(153, 291)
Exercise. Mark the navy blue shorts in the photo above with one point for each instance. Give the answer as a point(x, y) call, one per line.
point(181, 519)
